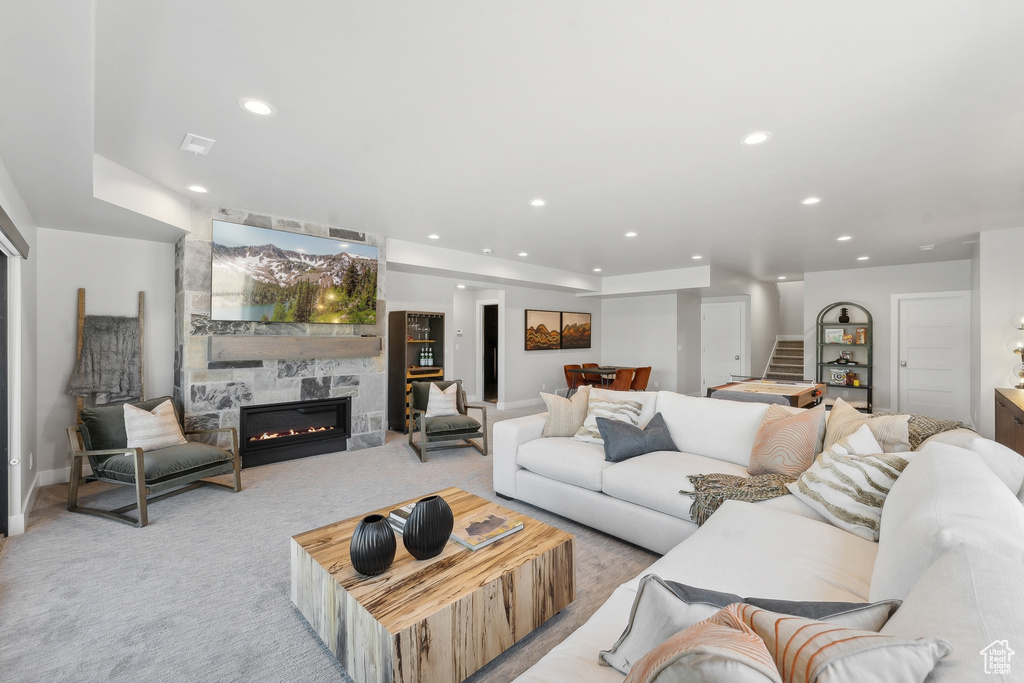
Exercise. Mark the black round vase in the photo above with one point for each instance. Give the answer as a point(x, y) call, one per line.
point(373, 546)
point(428, 528)
point(844, 315)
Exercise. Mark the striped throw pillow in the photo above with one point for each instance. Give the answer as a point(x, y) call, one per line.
point(849, 490)
point(623, 411)
point(152, 430)
point(805, 650)
point(566, 415)
point(785, 443)
point(892, 431)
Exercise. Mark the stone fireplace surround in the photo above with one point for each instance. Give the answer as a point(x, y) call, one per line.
point(210, 393)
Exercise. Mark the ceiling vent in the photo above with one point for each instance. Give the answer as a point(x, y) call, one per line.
point(197, 144)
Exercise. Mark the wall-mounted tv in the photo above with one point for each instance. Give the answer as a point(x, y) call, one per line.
point(276, 276)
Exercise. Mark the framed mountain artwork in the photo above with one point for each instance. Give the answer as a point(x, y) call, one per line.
point(542, 330)
point(575, 330)
point(267, 275)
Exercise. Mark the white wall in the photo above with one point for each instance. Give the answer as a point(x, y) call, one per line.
point(764, 322)
point(1000, 290)
point(639, 331)
point(23, 481)
point(521, 373)
point(873, 288)
point(688, 343)
point(791, 308)
point(113, 270)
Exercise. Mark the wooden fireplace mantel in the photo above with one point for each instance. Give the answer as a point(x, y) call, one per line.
point(229, 348)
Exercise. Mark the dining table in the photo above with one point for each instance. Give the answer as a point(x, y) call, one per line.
point(607, 373)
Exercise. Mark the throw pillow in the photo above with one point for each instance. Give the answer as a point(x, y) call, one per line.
point(849, 490)
point(785, 443)
point(623, 441)
point(806, 650)
point(662, 608)
point(622, 411)
point(861, 442)
point(566, 415)
point(442, 403)
point(719, 648)
point(151, 430)
point(892, 431)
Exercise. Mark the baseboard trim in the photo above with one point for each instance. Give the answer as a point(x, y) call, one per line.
point(58, 476)
point(16, 523)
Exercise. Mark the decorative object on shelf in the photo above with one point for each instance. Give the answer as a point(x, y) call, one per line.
point(844, 315)
point(373, 546)
point(1016, 345)
point(428, 528)
point(834, 335)
point(847, 338)
point(846, 357)
point(861, 336)
point(837, 376)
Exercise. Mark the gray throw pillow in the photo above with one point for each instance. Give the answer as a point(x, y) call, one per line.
point(662, 608)
point(623, 441)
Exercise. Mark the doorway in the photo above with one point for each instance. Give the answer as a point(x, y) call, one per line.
point(932, 338)
point(491, 341)
point(724, 348)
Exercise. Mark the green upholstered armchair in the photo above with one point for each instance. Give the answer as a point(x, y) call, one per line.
point(101, 438)
point(446, 428)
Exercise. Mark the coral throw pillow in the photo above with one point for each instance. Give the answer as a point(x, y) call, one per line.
point(785, 442)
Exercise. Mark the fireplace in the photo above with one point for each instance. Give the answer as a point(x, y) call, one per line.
point(284, 431)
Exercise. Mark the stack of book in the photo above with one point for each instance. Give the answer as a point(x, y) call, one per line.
point(473, 532)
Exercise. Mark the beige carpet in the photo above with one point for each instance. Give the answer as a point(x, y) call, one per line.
point(202, 594)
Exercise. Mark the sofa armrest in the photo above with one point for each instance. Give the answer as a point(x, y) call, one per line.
point(508, 436)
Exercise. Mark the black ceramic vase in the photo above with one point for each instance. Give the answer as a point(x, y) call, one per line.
point(428, 528)
point(373, 546)
point(844, 315)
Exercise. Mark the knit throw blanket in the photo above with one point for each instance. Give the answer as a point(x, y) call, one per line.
point(711, 490)
point(109, 365)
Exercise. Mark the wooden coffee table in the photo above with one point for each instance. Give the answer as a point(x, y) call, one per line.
point(432, 620)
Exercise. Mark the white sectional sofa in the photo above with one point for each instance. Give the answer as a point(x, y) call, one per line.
point(951, 536)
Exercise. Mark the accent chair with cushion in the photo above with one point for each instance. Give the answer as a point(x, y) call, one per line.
point(154, 444)
point(439, 412)
point(622, 381)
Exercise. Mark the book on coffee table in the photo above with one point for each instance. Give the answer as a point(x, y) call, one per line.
point(485, 527)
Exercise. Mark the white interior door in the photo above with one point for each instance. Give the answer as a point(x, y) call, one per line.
point(933, 359)
point(723, 343)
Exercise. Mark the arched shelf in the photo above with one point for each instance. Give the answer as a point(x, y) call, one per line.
point(844, 354)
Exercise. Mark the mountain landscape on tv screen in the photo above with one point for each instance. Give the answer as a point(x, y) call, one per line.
point(270, 284)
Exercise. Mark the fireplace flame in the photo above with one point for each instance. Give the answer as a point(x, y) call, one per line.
point(291, 432)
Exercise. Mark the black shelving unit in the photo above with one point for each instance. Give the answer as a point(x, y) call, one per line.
point(835, 338)
point(409, 334)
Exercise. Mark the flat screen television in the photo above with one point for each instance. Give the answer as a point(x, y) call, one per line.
point(275, 276)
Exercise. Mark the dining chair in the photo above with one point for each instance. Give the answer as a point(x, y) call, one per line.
point(623, 378)
point(592, 379)
point(572, 378)
point(640, 379)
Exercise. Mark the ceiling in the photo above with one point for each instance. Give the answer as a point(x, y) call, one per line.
point(447, 117)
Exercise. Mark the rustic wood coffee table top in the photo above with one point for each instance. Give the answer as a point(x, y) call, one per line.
point(439, 619)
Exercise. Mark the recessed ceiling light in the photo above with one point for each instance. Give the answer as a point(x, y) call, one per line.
point(843, 238)
point(460, 286)
point(523, 253)
point(486, 250)
point(757, 137)
point(198, 188)
point(597, 270)
point(257, 107)
point(630, 234)
point(782, 277)
point(970, 241)
point(863, 258)
point(537, 202)
point(433, 237)
point(811, 200)
point(698, 257)
point(926, 247)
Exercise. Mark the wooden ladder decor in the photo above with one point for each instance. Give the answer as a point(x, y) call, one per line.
point(79, 402)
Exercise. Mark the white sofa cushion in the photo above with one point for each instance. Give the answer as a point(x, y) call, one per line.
point(655, 480)
point(945, 496)
point(565, 459)
point(971, 598)
point(712, 427)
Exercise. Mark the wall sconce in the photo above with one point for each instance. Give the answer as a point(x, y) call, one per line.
point(1016, 345)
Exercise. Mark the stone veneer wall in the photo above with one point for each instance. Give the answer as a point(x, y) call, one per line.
point(210, 393)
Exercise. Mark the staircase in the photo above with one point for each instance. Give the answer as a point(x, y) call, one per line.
point(787, 360)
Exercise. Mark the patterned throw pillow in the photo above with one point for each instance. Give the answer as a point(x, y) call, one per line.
point(849, 490)
point(785, 442)
point(892, 431)
point(805, 650)
point(623, 411)
point(860, 442)
point(443, 403)
point(152, 430)
point(566, 415)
